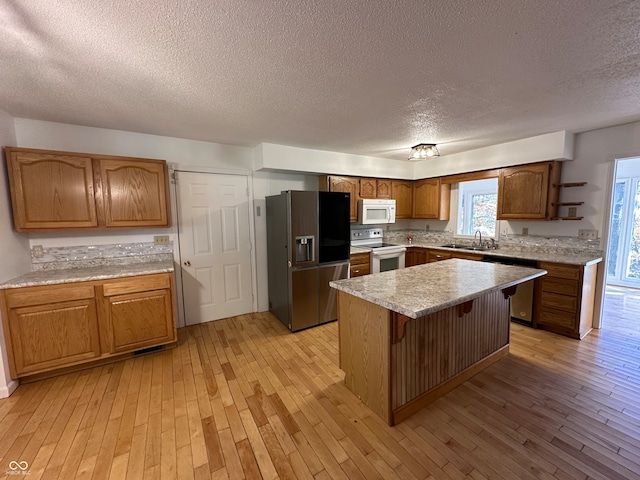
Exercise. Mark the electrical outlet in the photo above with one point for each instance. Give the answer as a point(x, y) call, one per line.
point(426, 227)
point(588, 234)
point(38, 251)
point(572, 211)
point(161, 239)
point(525, 231)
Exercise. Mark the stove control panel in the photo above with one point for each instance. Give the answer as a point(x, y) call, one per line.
point(366, 234)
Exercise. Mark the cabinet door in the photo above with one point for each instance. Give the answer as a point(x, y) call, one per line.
point(50, 191)
point(349, 185)
point(402, 193)
point(431, 199)
point(134, 193)
point(383, 189)
point(523, 192)
point(50, 327)
point(138, 313)
point(368, 188)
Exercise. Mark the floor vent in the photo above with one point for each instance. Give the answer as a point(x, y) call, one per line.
point(144, 351)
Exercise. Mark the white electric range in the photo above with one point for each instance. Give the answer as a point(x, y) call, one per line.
point(384, 256)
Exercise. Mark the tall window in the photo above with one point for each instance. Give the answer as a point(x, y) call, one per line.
point(477, 202)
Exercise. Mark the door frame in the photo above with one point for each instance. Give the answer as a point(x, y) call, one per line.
point(601, 283)
point(176, 247)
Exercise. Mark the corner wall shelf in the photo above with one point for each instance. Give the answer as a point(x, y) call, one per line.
point(572, 205)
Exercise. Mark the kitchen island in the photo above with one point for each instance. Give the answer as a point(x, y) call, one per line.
point(409, 336)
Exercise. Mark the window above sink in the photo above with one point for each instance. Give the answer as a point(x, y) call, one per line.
point(477, 207)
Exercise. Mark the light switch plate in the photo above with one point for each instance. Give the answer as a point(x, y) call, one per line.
point(588, 234)
point(161, 239)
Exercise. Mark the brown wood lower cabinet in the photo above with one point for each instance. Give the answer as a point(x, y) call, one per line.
point(360, 264)
point(415, 256)
point(434, 255)
point(564, 299)
point(138, 313)
point(53, 327)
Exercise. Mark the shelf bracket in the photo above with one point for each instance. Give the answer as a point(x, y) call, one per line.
point(465, 308)
point(509, 292)
point(398, 323)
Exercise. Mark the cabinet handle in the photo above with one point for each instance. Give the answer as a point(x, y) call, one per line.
point(187, 263)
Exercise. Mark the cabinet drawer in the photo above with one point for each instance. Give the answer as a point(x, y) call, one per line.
point(467, 256)
point(560, 302)
point(360, 258)
point(561, 286)
point(555, 317)
point(561, 271)
point(359, 270)
point(143, 283)
point(436, 256)
point(24, 297)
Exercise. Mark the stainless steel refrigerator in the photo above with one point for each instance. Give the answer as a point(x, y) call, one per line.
point(308, 246)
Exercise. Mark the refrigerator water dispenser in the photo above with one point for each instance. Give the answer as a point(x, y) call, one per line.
point(304, 249)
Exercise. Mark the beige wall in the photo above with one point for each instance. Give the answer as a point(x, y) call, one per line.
point(15, 259)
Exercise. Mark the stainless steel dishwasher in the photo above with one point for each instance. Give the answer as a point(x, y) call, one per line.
point(522, 301)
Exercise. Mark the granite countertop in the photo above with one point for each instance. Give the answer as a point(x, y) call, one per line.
point(423, 289)
point(85, 274)
point(568, 258)
point(359, 250)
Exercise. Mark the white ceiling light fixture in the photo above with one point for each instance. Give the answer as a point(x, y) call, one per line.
point(423, 151)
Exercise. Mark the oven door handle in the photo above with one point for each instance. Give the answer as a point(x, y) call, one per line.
point(384, 255)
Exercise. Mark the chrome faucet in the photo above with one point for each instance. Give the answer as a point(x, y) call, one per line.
point(478, 232)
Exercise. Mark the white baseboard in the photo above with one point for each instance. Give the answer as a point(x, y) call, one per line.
point(8, 389)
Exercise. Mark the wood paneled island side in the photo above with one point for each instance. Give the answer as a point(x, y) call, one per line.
point(409, 336)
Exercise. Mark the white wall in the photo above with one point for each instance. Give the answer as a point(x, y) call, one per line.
point(271, 157)
point(180, 153)
point(176, 151)
point(16, 258)
point(551, 146)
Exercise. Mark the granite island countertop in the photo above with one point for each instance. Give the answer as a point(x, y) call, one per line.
point(85, 274)
point(424, 289)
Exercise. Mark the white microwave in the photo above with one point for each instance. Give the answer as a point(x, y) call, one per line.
point(376, 211)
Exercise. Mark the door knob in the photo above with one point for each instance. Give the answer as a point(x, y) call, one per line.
point(187, 263)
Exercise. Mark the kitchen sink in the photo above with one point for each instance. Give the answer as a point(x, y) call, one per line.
point(464, 247)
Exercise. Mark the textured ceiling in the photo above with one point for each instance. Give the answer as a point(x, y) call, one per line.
point(369, 77)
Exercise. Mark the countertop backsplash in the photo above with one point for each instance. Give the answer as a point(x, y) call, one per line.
point(56, 258)
point(532, 243)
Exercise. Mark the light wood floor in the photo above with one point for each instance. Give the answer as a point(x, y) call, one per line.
point(243, 397)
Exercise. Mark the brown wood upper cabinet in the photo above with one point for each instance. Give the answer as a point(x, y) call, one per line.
point(375, 188)
point(368, 188)
point(431, 199)
point(60, 190)
point(351, 185)
point(402, 193)
point(529, 192)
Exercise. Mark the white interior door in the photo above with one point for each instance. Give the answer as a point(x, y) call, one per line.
point(215, 246)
